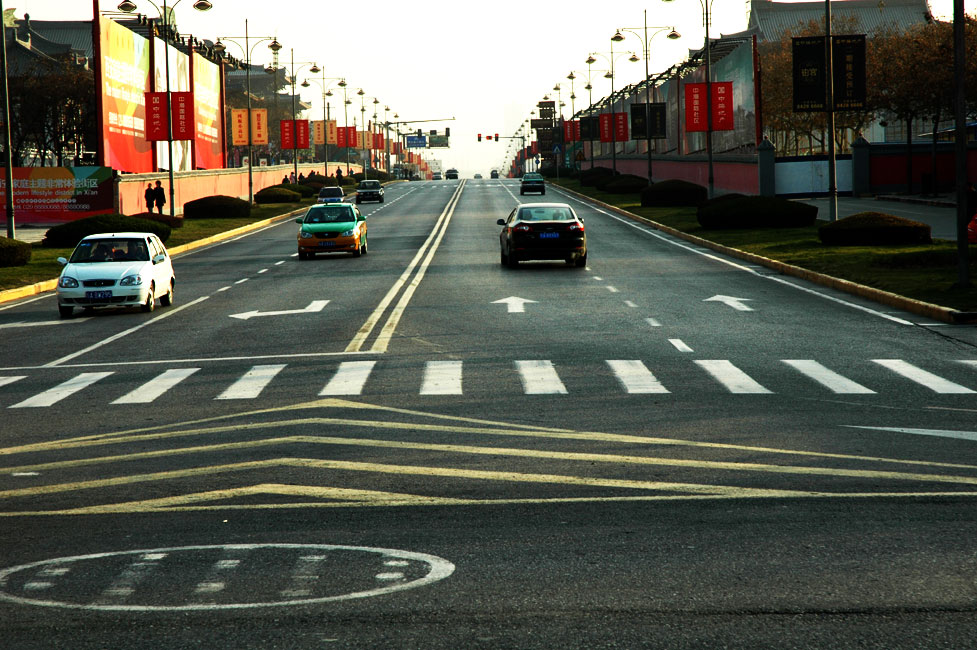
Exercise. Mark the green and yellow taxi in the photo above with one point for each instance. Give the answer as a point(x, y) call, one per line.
point(332, 228)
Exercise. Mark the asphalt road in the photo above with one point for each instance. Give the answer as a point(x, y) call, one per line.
point(666, 448)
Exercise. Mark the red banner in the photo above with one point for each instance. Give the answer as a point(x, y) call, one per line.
point(568, 131)
point(722, 106)
point(613, 127)
point(302, 134)
point(156, 126)
point(183, 115)
point(288, 134)
point(620, 127)
point(695, 107)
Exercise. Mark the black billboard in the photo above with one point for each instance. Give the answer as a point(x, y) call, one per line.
point(810, 85)
point(589, 128)
point(848, 63)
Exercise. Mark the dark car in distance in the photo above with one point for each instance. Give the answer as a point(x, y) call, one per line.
point(494, 173)
point(369, 191)
point(532, 182)
point(543, 231)
point(451, 174)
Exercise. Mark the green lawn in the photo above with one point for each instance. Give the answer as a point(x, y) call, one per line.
point(44, 261)
point(925, 272)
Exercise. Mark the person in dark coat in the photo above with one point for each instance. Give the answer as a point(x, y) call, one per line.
point(159, 196)
point(150, 196)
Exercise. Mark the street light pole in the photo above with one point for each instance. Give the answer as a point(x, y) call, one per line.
point(646, 49)
point(274, 46)
point(8, 156)
point(127, 6)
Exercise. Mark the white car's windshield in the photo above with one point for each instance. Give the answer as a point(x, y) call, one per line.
point(110, 250)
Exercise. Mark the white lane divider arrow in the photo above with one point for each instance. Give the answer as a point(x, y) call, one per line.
point(735, 303)
point(942, 433)
point(516, 305)
point(314, 306)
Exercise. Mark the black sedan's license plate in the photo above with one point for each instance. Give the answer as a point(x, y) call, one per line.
point(549, 235)
point(98, 295)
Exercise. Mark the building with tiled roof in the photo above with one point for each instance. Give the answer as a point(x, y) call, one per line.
point(770, 20)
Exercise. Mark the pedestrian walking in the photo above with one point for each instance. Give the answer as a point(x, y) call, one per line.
point(159, 197)
point(150, 196)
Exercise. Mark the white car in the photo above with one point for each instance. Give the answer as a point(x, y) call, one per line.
point(116, 270)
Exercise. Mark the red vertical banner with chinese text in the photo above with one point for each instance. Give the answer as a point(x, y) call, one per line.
point(183, 115)
point(695, 107)
point(301, 134)
point(620, 127)
point(156, 116)
point(287, 132)
point(319, 132)
point(722, 106)
point(239, 126)
point(606, 127)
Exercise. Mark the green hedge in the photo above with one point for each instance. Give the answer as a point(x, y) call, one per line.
point(621, 184)
point(172, 222)
point(67, 235)
point(277, 194)
point(874, 229)
point(13, 252)
point(217, 207)
point(755, 212)
point(673, 192)
point(590, 177)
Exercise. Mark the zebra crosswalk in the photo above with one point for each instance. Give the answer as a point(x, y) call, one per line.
point(536, 377)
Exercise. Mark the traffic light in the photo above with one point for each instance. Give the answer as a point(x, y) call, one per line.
point(479, 137)
point(447, 132)
point(496, 137)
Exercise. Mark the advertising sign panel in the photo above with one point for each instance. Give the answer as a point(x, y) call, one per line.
point(124, 80)
point(656, 120)
point(695, 107)
point(179, 82)
point(183, 123)
point(208, 135)
point(50, 195)
point(331, 132)
point(239, 127)
point(810, 85)
point(722, 106)
point(639, 121)
point(319, 132)
point(259, 126)
point(286, 129)
point(302, 134)
point(589, 128)
point(848, 61)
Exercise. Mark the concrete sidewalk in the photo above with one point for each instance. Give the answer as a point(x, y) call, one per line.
point(939, 212)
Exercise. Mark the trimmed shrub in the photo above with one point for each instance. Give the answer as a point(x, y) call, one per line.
point(316, 177)
point(14, 252)
point(298, 188)
point(589, 177)
point(67, 235)
point(276, 194)
point(172, 222)
point(755, 212)
point(217, 207)
point(621, 184)
point(673, 192)
point(874, 229)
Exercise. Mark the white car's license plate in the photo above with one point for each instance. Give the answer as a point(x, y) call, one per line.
point(98, 295)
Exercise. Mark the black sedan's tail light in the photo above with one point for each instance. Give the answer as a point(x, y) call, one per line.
point(523, 228)
point(575, 227)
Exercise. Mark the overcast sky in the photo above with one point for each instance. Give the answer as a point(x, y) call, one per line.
point(486, 64)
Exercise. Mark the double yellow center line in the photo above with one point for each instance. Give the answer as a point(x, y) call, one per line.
point(417, 268)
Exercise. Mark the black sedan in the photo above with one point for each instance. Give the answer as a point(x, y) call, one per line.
point(532, 182)
point(543, 231)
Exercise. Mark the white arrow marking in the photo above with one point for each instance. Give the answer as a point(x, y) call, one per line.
point(962, 435)
point(314, 306)
point(43, 323)
point(735, 303)
point(516, 305)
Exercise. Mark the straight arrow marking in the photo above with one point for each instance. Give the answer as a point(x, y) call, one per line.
point(314, 306)
point(515, 304)
point(961, 435)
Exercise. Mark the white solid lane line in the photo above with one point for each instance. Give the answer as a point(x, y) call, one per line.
point(734, 379)
point(250, 385)
point(540, 378)
point(63, 390)
point(922, 377)
point(349, 379)
point(156, 387)
point(442, 378)
point(828, 378)
point(635, 376)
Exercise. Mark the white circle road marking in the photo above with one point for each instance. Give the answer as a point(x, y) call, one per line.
point(150, 562)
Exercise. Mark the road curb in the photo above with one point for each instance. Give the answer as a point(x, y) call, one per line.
point(49, 285)
point(918, 307)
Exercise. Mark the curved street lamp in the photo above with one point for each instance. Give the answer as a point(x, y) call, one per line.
point(325, 88)
point(220, 48)
point(611, 58)
point(646, 50)
point(126, 6)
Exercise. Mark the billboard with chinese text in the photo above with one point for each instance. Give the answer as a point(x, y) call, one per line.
point(124, 80)
point(208, 136)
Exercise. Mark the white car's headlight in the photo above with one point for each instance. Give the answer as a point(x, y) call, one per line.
point(348, 233)
point(305, 234)
point(131, 281)
point(67, 282)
